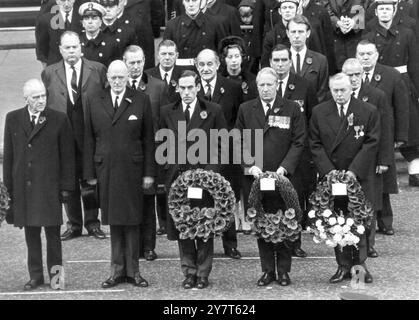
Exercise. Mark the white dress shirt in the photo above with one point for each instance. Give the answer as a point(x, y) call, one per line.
point(265, 105)
point(284, 84)
point(120, 96)
point(70, 15)
point(302, 53)
point(69, 74)
point(169, 74)
point(356, 92)
point(345, 107)
point(211, 83)
point(34, 114)
point(191, 107)
point(370, 74)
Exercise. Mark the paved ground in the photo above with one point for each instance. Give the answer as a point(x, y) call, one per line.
point(86, 259)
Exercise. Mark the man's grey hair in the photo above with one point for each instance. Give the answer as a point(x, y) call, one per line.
point(267, 70)
point(339, 76)
point(29, 85)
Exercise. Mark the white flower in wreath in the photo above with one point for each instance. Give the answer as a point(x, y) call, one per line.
point(316, 240)
point(337, 229)
point(323, 236)
point(337, 237)
point(349, 221)
point(360, 229)
point(346, 228)
point(330, 243)
point(327, 213)
point(320, 228)
point(341, 220)
point(311, 214)
point(355, 239)
point(332, 221)
point(318, 223)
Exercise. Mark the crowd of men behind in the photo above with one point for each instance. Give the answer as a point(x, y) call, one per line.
point(245, 64)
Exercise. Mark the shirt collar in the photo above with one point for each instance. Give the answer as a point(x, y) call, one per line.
point(169, 73)
point(192, 106)
point(33, 114)
point(121, 95)
point(356, 92)
point(284, 81)
point(345, 106)
point(211, 83)
point(370, 74)
point(264, 104)
point(302, 52)
point(70, 15)
point(77, 66)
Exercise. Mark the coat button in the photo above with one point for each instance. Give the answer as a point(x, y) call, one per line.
point(203, 33)
point(183, 35)
point(29, 164)
point(29, 145)
point(28, 183)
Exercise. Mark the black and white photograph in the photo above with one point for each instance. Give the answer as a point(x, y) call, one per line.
point(219, 157)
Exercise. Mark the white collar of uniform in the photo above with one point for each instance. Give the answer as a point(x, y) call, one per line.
point(345, 107)
point(169, 73)
point(70, 15)
point(94, 37)
point(77, 66)
point(211, 83)
point(192, 106)
point(113, 96)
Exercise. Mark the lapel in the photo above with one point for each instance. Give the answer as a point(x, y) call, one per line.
point(126, 101)
point(309, 56)
point(344, 130)
point(217, 95)
point(376, 76)
point(86, 70)
point(332, 116)
point(196, 119)
point(291, 82)
point(258, 113)
point(363, 92)
point(177, 115)
point(60, 72)
point(25, 121)
point(108, 104)
point(42, 121)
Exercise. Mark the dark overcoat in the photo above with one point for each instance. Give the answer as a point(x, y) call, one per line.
point(37, 165)
point(119, 152)
point(334, 146)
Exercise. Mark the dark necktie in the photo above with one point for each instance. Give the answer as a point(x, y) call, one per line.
point(341, 112)
point(268, 105)
point(367, 78)
point(187, 114)
point(298, 70)
point(208, 92)
point(165, 77)
point(116, 105)
point(74, 84)
point(33, 118)
point(67, 21)
point(280, 88)
point(353, 95)
point(133, 86)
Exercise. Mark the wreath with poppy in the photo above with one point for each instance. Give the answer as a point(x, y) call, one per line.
point(277, 226)
point(201, 222)
point(332, 226)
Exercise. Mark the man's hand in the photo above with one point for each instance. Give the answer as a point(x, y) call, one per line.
point(281, 171)
point(148, 182)
point(351, 174)
point(381, 169)
point(92, 182)
point(255, 171)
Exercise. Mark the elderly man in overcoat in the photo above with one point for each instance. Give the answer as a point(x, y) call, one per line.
point(39, 173)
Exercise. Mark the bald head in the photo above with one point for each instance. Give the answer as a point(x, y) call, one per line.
point(207, 63)
point(35, 95)
point(117, 76)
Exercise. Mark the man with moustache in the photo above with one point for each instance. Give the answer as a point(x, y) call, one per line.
point(282, 148)
point(334, 147)
point(38, 172)
point(196, 256)
point(119, 157)
point(385, 157)
point(156, 90)
point(167, 70)
point(69, 84)
point(228, 94)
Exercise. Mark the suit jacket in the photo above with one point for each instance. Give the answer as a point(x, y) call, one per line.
point(48, 30)
point(173, 96)
point(206, 116)
point(315, 69)
point(37, 164)
point(92, 82)
point(119, 152)
point(281, 146)
point(334, 146)
point(228, 94)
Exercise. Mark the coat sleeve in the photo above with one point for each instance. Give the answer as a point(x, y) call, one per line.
point(42, 39)
point(268, 44)
point(328, 39)
point(8, 156)
point(323, 164)
point(157, 16)
point(258, 26)
point(148, 140)
point(385, 151)
point(360, 165)
point(400, 103)
point(323, 80)
point(298, 140)
point(67, 156)
point(89, 145)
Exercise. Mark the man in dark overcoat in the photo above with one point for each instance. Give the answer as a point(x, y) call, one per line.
point(195, 255)
point(119, 153)
point(282, 149)
point(156, 90)
point(38, 171)
point(69, 83)
point(335, 145)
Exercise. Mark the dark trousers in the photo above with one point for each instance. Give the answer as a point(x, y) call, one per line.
point(385, 215)
point(148, 225)
point(34, 245)
point(349, 256)
point(196, 256)
point(124, 250)
point(371, 231)
point(272, 254)
point(162, 209)
point(230, 238)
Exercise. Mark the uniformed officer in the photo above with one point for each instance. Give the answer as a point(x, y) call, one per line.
point(94, 46)
point(117, 34)
point(397, 47)
point(192, 32)
point(246, 8)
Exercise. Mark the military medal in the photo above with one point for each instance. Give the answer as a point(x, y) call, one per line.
point(276, 110)
point(359, 131)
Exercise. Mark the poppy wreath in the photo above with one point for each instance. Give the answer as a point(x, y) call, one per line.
point(332, 226)
point(275, 226)
point(4, 201)
point(205, 222)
